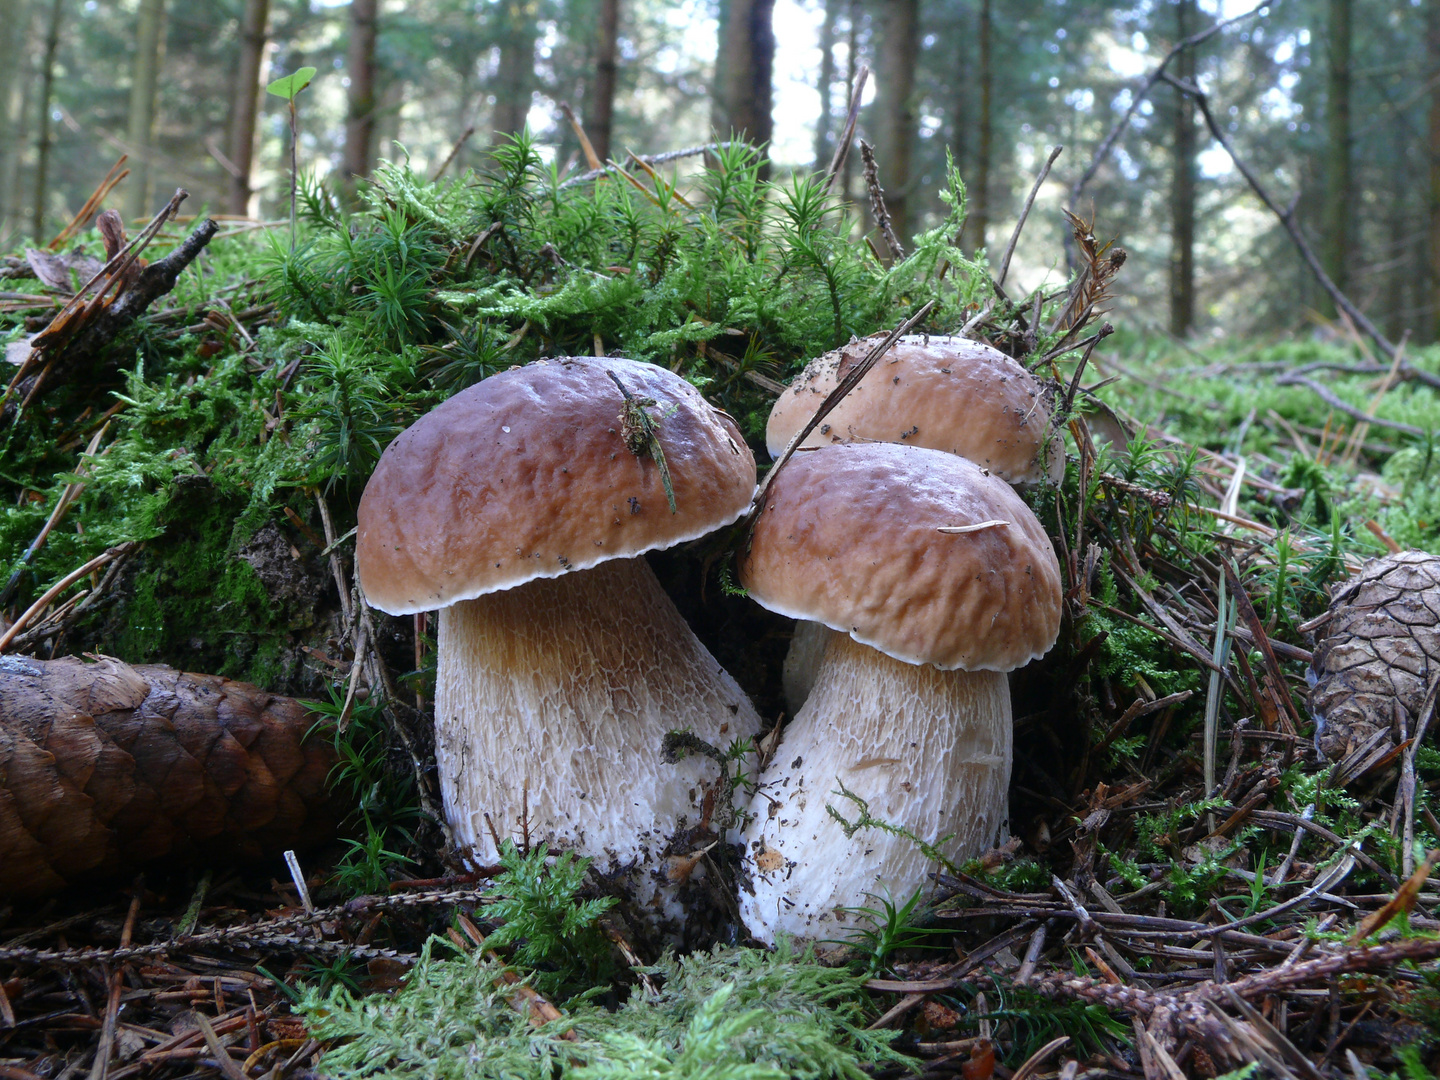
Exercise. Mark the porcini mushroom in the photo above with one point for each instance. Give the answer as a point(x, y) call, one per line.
point(945, 393)
point(941, 392)
point(521, 508)
point(937, 579)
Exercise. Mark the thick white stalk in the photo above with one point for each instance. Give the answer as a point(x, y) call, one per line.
point(802, 661)
point(552, 701)
point(928, 751)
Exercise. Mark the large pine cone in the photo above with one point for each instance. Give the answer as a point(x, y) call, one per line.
point(1379, 653)
point(104, 767)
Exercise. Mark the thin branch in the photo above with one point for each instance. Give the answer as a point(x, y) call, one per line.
point(1287, 219)
point(1068, 342)
point(1103, 150)
point(454, 152)
point(834, 398)
point(116, 269)
point(586, 146)
point(1330, 398)
point(60, 586)
point(1105, 331)
point(847, 135)
point(877, 202)
point(650, 159)
point(1019, 225)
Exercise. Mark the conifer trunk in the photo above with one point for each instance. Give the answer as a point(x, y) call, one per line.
point(1182, 184)
point(978, 224)
point(960, 108)
point(42, 133)
point(17, 212)
point(144, 82)
point(515, 78)
point(744, 66)
point(895, 137)
point(245, 103)
point(11, 43)
point(600, 116)
point(1337, 224)
point(852, 72)
point(1432, 51)
point(360, 111)
point(824, 139)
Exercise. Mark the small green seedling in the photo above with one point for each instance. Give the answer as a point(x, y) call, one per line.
point(288, 87)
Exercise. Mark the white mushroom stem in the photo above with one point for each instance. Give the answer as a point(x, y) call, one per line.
point(802, 661)
point(928, 750)
point(552, 703)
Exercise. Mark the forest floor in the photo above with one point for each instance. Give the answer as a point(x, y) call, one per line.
point(1143, 919)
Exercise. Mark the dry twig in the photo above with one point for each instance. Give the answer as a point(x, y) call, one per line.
point(878, 209)
point(847, 133)
point(1025, 213)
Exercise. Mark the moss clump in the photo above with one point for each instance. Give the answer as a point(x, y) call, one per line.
point(191, 599)
point(722, 1014)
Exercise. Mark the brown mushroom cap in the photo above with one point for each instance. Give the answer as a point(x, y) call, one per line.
point(945, 393)
point(850, 536)
point(528, 475)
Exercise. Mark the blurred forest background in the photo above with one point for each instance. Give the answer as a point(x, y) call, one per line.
point(1335, 104)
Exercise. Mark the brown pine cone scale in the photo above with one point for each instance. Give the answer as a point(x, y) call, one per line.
point(105, 767)
point(1378, 654)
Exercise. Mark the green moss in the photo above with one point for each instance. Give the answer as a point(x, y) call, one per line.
point(729, 1013)
point(193, 603)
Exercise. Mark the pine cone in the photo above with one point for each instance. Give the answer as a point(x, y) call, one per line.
point(1379, 653)
point(104, 767)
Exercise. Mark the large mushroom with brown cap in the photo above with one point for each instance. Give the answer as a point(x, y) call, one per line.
point(936, 579)
point(941, 392)
point(945, 393)
point(521, 509)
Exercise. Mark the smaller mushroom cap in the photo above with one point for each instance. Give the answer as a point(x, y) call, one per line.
point(528, 474)
point(863, 537)
point(945, 393)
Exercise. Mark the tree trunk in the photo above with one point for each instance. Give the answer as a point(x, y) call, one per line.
point(1336, 219)
point(852, 72)
point(144, 81)
point(360, 112)
point(824, 139)
point(12, 41)
point(1182, 184)
point(15, 220)
point(245, 102)
point(895, 91)
point(960, 109)
point(978, 223)
point(1403, 263)
point(515, 78)
point(42, 134)
point(389, 118)
point(1432, 50)
point(600, 115)
point(744, 65)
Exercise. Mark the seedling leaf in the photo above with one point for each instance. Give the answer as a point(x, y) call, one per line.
point(289, 85)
